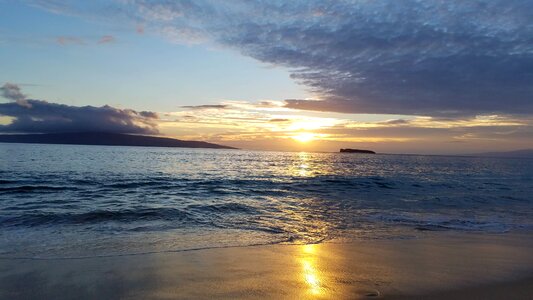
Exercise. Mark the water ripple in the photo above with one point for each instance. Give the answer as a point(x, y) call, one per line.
point(126, 198)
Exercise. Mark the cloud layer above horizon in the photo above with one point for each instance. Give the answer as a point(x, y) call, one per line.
point(270, 125)
point(437, 58)
point(38, 116)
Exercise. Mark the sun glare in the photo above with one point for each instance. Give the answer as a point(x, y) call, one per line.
point(304, 137)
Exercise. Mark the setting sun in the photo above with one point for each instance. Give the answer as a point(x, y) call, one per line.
point(304, 137)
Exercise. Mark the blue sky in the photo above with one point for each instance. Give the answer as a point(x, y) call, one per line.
point(404, 76)
point(144, 71)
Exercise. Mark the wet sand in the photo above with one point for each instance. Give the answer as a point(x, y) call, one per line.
point(440, 266)
point(517, 289)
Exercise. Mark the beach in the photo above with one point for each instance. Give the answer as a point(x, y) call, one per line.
point(437, 266)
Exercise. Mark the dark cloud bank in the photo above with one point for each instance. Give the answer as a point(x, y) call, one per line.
point(439, 58)
point(37, 116)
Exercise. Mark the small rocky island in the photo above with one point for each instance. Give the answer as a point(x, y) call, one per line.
point(348, 150)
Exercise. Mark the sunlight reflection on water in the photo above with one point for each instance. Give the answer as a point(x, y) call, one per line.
point(310, 273)
point(301, 166)
point(137, 199)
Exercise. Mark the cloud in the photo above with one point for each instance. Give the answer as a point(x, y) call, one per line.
point(249, 125)
point(206, 106)
point(187, 36)
point(275, 120)
point(106, 39)
point(439, 58)
point(396, 122)
point(72, 40)
point(69, 40)
point(45, 117)
point(149, 114)
point(12, 92)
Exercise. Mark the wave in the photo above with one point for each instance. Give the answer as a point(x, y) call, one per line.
point(157, 197)
point(35, 189)
point(428, 222)
point(126, 215)
point(224, 208)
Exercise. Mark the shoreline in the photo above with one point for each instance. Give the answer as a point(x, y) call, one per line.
point(441, 265)
point(517, 288)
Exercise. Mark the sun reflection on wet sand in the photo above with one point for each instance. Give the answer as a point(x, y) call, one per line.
point(310, 273)
point(372, 269)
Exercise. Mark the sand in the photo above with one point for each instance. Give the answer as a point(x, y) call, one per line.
point(440, 266)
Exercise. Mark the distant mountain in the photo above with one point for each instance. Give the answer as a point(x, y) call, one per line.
point(525, 153)
point(104, 139)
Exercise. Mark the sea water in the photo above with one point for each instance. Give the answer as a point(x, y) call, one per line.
point(60, 201)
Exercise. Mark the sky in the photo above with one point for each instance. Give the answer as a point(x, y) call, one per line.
point(411, 76)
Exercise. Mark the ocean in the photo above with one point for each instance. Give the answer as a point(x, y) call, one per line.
point(70, 201)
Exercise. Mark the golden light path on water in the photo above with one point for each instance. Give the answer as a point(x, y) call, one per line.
point(308, 259)
point(303, 168)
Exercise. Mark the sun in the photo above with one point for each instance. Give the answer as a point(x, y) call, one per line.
point(304, 137)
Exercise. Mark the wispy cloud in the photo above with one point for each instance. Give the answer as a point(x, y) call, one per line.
point(69, 40)
point(84, 41)
point(206, 106)
point(106, 39)
point(12, 92)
